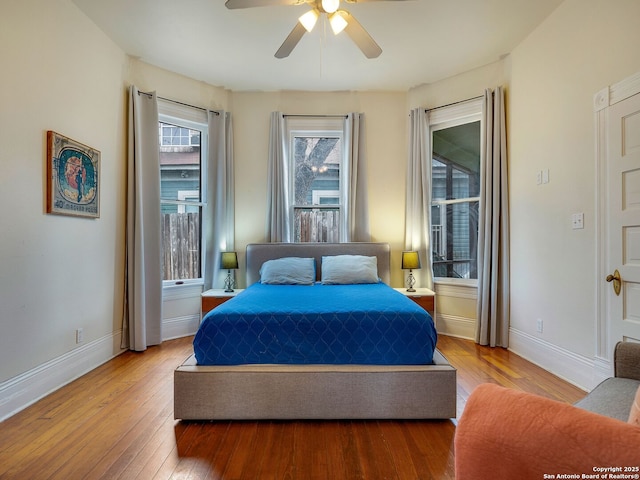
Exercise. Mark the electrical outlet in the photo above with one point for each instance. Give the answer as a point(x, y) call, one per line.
point(539, 325)
point(79, 335)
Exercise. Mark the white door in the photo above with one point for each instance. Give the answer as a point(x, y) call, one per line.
point(623, 219)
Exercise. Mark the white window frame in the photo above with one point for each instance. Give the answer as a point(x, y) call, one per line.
point(162, 137)
point(452, 116)
point(196, 119)
point(322, 127)
point(320, 194)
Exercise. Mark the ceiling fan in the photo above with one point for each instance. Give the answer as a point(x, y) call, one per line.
point(338, 19)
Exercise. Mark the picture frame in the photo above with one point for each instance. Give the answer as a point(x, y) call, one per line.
point(73, 177)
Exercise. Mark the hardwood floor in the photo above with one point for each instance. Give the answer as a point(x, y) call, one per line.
point(117, 422)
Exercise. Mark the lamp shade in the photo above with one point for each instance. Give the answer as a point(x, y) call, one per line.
point(337, 22)
point(410, 260)
point(229, 260)
point(309, 19)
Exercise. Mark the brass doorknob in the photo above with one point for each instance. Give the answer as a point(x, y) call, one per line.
point(617, 281)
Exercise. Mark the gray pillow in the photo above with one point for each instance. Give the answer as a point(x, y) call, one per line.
point(288, 271)
point(348, 269)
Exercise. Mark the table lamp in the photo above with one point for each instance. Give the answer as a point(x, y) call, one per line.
point(410, 260)
point(229, 262)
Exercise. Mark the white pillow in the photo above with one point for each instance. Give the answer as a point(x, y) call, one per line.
point(348, 269)
point(288, 271)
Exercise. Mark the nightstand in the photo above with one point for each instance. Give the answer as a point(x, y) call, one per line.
point(422, 296)
point(216, 296)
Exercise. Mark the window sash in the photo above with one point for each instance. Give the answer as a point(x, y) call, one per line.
point(318, 127)
point(193, 119)
point(439, 119)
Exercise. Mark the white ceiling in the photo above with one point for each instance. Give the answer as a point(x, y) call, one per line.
point(423, 41)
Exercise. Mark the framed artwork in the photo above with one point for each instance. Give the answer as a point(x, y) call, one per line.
point(73, 177)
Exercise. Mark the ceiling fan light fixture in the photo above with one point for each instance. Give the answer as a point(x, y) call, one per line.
point(330, 6)
point(309, 19)
point(337, 22)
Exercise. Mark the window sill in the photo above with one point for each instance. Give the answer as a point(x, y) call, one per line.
point(168, 284)
point(171, 290)
point(458, 282)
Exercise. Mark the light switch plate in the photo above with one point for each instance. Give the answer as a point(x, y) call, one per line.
point(577, 221)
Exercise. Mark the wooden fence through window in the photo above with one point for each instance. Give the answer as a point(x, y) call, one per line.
point(317, 225)
point(181, 245)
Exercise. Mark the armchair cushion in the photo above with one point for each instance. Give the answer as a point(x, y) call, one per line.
point(627, 360)
point(506, 434)
point(612, 398)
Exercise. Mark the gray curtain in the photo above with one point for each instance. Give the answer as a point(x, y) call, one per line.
point(493, 235)
point(220, 196)
point(278, 223)
point(418, 202)
point(142, 316)
point(358, 208)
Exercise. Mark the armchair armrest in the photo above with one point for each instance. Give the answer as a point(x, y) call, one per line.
point(626, 359)
point(507, 434)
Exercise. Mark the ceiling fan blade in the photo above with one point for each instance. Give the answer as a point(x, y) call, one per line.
point(233, 4)
point(360, 36)
point(291, 41)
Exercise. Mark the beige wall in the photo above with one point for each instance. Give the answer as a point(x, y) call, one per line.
point(385, 117)
point(58, 273)
point(583, 46)
point(461, 87)
point(177, 87)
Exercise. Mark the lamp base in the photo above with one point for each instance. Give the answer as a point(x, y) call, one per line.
point(411, 281)
point(228, 282)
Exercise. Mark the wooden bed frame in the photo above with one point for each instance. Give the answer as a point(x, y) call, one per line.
point(288, 392)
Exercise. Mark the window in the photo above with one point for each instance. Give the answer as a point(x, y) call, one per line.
point(455, 187)
point(182, 169)
point(316, 165)
point(179, 136)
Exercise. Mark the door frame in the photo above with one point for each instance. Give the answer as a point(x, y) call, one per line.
point(602, 100)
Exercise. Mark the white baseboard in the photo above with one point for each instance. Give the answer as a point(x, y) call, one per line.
point(455, 326)
point(584, 372)
point(179, 327)
point(602, 369)
point(19, 392)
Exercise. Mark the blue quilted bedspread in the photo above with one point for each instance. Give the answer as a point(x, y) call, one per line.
point(320, 324)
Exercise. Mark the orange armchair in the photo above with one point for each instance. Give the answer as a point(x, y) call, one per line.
point(509, 434)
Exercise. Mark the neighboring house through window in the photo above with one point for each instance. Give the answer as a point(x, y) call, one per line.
point(455, 185)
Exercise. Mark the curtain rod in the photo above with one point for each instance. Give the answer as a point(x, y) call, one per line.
point(180, 103)
point(454, 103)
point(317, 116)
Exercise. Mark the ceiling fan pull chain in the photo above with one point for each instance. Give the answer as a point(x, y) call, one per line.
point(322, 41)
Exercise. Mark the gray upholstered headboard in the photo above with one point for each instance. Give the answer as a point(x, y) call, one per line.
point(258, 253)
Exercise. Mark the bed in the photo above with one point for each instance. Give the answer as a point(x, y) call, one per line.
point(397, 375)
